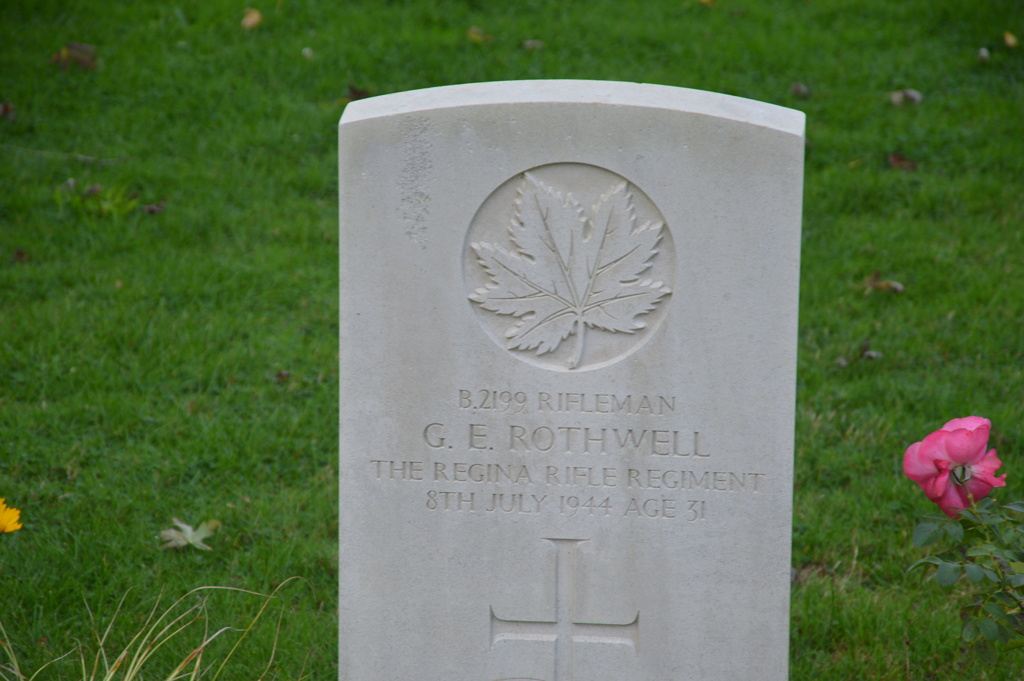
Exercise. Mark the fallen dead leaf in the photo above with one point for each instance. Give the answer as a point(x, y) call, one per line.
point(251, 19)
point(874, 282)
point(901, 162)
point(355, 93)
point(153, 208)
point(863, 352)
point(478, 35)
point(907, 96)
point(186, 536)
point(7, 111)
point(867, 353)
point(800, 90)
point(707, 3)
point(1010, 40)
point(75, 53)
point(20, 256)
point(282, 376)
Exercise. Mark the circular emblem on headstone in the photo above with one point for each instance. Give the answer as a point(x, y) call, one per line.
point(569, 266)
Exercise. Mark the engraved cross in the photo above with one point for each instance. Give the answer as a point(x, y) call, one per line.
point(564, 630)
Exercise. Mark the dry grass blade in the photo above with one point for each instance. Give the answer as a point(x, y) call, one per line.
point(12, 667)
point(252, 623)
point(5, 643)
point(159, 629)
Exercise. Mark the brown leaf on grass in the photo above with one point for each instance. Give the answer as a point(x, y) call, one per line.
point(251, 19)
point(75, 53)
point(901, 162)
point(355, 93)
point(874, 282)
point(7, 111)
point(863, 352)
point(707, 3)
point(867, 353)
point(20, 256)
point(186, 536)
point(1010, 40)
point(154, 208)
point(907, 96)
point(800, 90)
point(282, 377)
point(478, 35)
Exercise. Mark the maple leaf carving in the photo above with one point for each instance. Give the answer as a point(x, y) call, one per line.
point(570, 269)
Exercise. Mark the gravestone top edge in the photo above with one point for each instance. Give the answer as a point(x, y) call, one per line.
point(614, 93)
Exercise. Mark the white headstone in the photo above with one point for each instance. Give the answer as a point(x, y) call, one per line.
point(568, 349)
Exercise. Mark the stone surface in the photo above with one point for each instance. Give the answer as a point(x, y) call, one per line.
point(568, 349)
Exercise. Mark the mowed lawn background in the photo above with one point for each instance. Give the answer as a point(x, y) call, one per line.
point(168, 290)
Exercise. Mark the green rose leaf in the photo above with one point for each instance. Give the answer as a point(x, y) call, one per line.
point(975, 573)
point(1006, 599)
point(948, 573)
point(1009, 535)
point(981, 550)
point(970, 515)
point(930, 560)
point(926, 534)
point(994, 610)
point(989, 629)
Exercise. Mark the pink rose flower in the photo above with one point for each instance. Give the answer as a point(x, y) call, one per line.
point(951, 464)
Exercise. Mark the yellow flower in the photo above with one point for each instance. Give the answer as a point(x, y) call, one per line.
point(8, 518)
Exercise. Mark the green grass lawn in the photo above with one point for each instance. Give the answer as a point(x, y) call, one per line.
point(182, 361)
